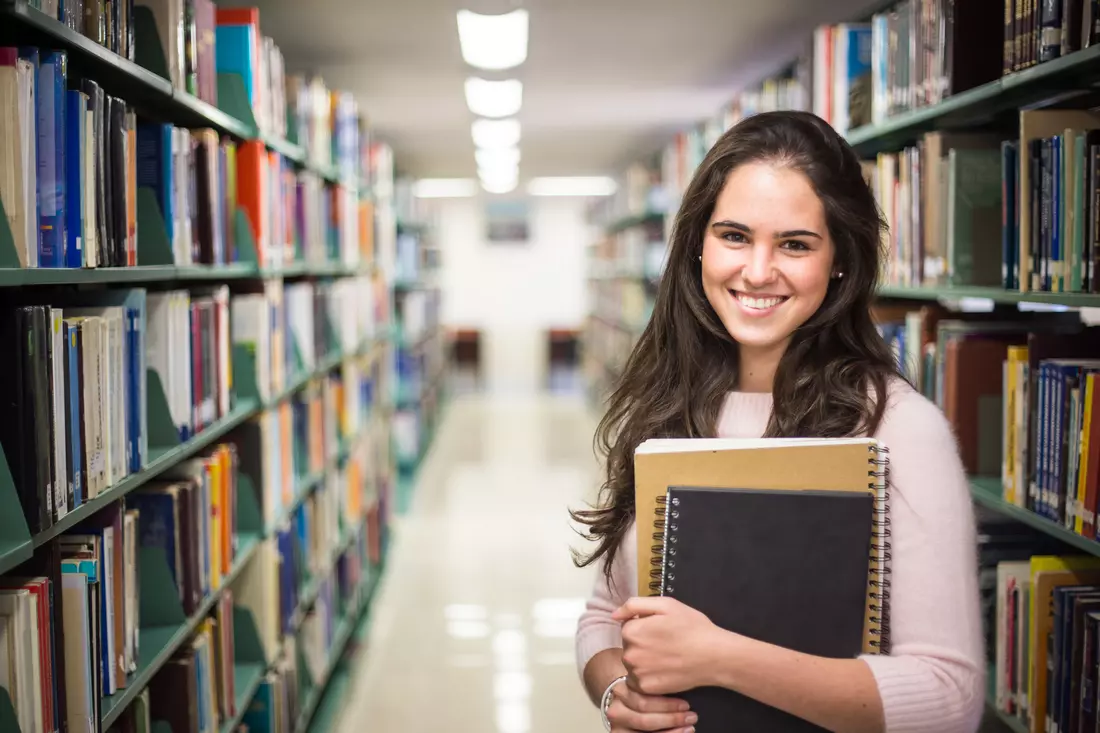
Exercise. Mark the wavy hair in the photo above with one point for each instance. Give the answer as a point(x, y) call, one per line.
point(832, 380)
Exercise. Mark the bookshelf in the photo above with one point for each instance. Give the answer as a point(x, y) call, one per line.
point(914, 121)
point(288, 371)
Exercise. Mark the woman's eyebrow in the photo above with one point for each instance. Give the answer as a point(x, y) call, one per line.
point(729, 224)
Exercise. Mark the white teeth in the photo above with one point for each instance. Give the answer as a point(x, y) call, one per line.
point(758, 303)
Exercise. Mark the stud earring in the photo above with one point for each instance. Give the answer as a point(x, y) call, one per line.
point(839, 275)
point(700, 258)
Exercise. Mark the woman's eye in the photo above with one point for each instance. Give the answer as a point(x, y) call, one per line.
point(795, 246)
point(734, 237)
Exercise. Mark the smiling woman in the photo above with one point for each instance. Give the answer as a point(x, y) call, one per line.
point(762, 327)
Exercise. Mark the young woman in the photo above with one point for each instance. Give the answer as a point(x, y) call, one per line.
point(762, 327)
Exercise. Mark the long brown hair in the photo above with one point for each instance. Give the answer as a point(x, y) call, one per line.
point(832, 380)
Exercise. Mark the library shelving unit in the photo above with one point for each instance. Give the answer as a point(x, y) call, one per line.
point(1045, 495)
point(420, 341)
point(250, 389)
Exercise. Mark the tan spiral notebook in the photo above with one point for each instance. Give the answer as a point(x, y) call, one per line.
point(812, 466)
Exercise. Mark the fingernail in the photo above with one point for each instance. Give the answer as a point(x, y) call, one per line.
point(692, 719)
point(684, 707)
point(689, 730)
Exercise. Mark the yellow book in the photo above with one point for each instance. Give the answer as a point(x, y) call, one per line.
point(1047, 573)
point(1083, 467)
point(217, 518)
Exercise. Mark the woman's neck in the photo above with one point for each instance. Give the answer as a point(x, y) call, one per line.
point(758, 366)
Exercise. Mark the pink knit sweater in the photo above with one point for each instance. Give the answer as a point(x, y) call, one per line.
point(933, 681)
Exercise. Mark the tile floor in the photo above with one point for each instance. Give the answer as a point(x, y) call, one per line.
point(472, 628)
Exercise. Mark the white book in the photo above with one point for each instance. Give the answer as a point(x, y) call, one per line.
point(12, 158)
point(79, 675)
point(184, 364)
point(91, 222)
point(13, 605)
point(130, 643)
point(28, 137)
point(110, 644)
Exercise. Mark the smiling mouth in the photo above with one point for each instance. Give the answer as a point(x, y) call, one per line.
point(758, 302)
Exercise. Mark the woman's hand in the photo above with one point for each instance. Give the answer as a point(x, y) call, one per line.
point(667, 646)
point(631, 711)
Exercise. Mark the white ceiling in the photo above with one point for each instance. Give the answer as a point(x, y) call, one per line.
point(605, 82)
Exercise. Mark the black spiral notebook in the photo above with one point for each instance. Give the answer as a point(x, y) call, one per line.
point(789, 567)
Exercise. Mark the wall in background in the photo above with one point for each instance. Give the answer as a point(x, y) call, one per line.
point(513, 293)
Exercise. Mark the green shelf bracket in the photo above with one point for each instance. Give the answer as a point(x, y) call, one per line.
point(249, 515)
point(148, 52)
point(158, 594)
point(299, 364)
point(163, 432)
point(244, 238)
point(233, 99)
point(153, 245)
point(9, 256)
point(292, 127)
point(247, 646)
point(159, 726)
point(244, 373)
point(16, 545)
point(9, 721)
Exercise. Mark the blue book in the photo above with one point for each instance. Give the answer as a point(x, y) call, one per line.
point(52, 80)
point(235, 50)
point(260, 716)
point(154, 168)
point(76, 108)
point(159, 526)
point(73, 390)
point(1010, 170)
point(31, 54)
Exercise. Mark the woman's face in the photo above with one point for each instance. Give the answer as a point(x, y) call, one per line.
point(767, 255)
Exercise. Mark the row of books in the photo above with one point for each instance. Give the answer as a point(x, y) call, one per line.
point(68, 165)
point(1019, 391)
point(1045, 635)
point(73, 163)
point(1035, 31)
point(76, 382)
point(69, 630)
point(298, 439)
point(974, 209)
point(943, 204)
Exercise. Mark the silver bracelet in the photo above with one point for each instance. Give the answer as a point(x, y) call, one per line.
point(606, 702)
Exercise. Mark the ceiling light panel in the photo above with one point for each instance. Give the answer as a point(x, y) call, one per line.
point(497, 158)
point(572, 186)
point(495, 133)
point(493, 42)
point(441, 188)
point(494, 99)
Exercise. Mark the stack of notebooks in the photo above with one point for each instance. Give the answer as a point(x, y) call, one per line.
point(780, 540)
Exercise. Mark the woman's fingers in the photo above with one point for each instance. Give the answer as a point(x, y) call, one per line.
point(649, 703)
point(622, 716)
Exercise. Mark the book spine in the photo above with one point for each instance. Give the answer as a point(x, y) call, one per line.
point(73, 421)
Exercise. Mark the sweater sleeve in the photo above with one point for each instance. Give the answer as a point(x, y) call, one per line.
point(596, 630)
point(933, 680)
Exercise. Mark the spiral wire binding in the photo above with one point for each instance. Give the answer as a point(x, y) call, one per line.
point(662, 564)
point(879, 592)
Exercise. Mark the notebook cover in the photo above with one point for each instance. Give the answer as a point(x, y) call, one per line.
point(785, 567)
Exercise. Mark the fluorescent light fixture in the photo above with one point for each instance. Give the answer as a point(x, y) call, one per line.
point(495, 99)
point(572, 186)
point(500, 180)
point(493, 42)
point(443, 188)
point(496, 158)
point(495, 133)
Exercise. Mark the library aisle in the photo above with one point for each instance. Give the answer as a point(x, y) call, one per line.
point(474, 619)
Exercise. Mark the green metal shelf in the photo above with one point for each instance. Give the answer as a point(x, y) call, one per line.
point(343, 635)
point(997, 295)
point(32, 276)
point(635, 220)
point(1040, 85)
point(166, 640)
point(987, 492)
point(157, 465)
point(246, 681)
